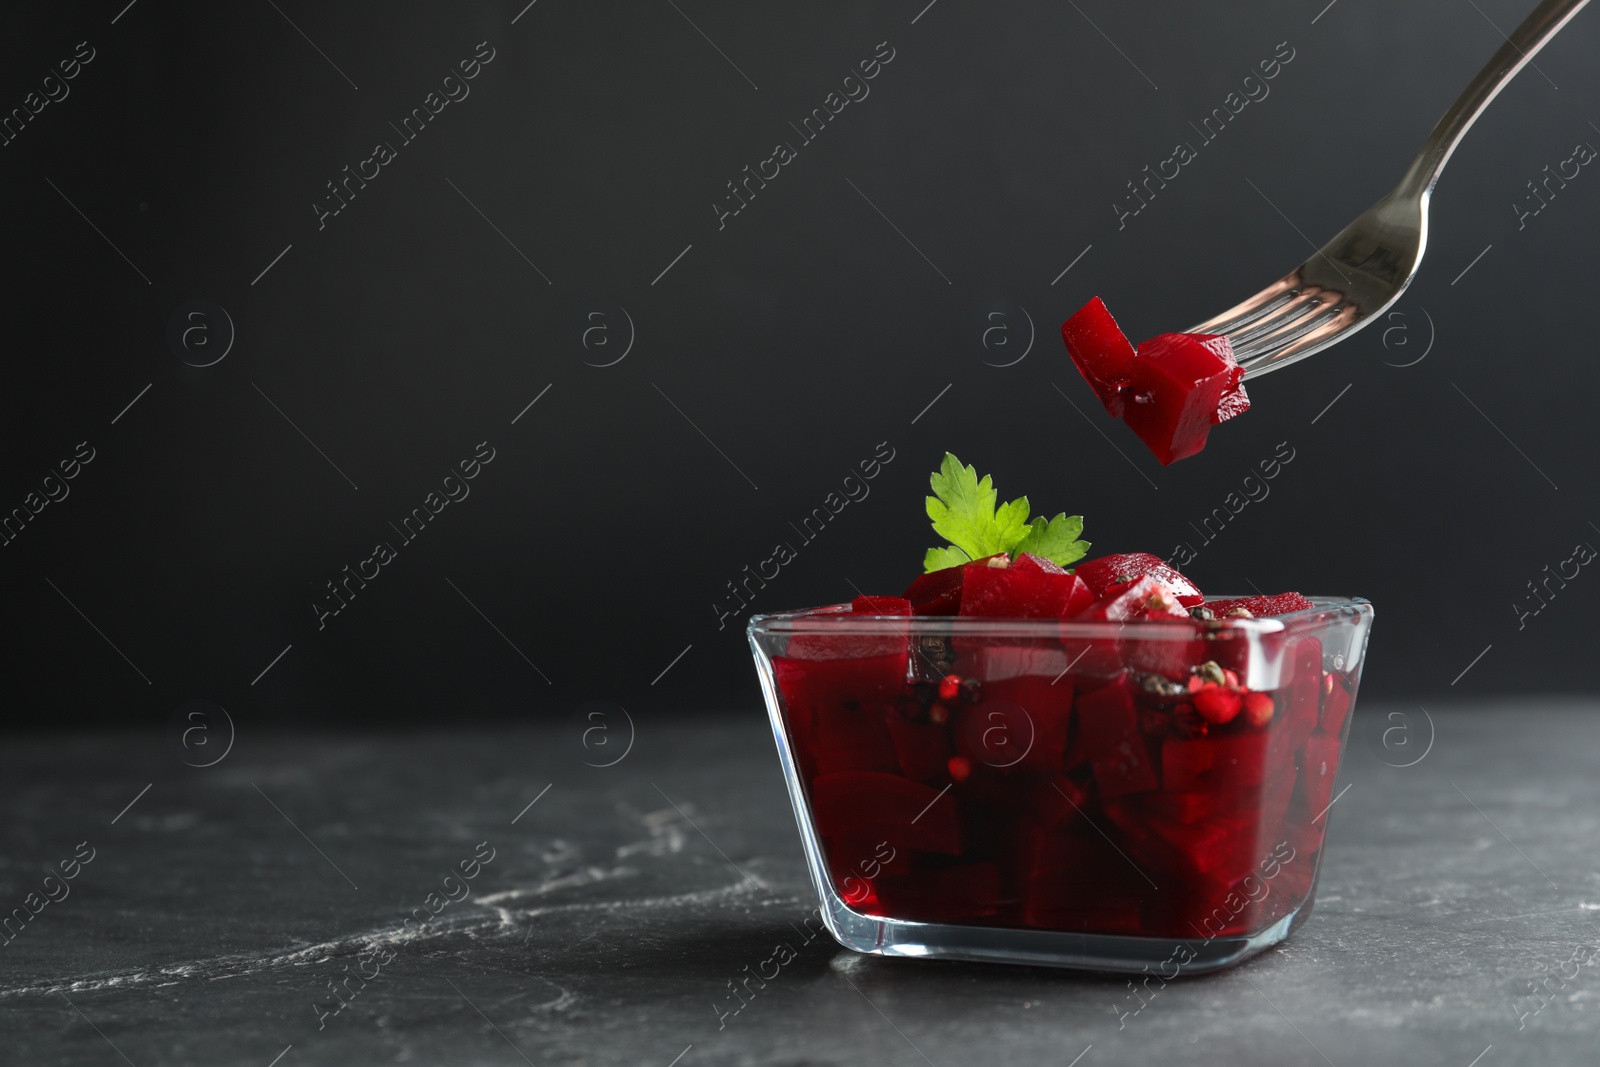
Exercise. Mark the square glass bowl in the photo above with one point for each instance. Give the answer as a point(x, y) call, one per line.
point(1099, 795)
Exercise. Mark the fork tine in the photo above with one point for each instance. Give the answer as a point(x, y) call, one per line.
point(1307, 302)
point(1263, 303)
point(1305, 332)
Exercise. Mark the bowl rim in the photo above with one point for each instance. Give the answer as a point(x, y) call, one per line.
point(840, 620)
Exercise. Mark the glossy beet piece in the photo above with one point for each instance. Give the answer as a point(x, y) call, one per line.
point(1078, 882)
point(1335, 706)
point(1020, 728)
point(888, 807)
point(849, 738)
point(1221, 763)
point(1178, 384)
point(880, 605)
point(1234, 400)
point(1142, 598)
point(945, 894)
point(1101, 352)
point(1106, 571)
point(937, 592)
point(1318, 772)
point(1027, 588)
point(1262, 607)
point(922, 748)
point(1116, 748)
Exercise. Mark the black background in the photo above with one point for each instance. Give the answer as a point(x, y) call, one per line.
point(797, 338)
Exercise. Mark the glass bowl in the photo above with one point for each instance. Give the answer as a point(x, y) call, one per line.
point(1100, 795)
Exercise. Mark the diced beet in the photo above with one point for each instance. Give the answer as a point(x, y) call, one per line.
point(1262, 607)
point(1142, 598)
point(941, 894)
point(1234, 400)
point(1336, 704)
point(922, 748)
point(1109, 726)
point(1101, 352)
point(1059, 803)
point(1028, 588)
point(1305, 691)
point(808, 682)
point(1177, 386)
point(1319, 770)
point(1225, 762)
point(937, 592)
point(880, 605)
point(1020, 727)
point(886, 807)
point(851, 738)
point(1078, 882)
point(1106, 571)
point(1195, 805)
point(1231, 404)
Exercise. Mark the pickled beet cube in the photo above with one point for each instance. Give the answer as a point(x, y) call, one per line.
point(888, 808)
point(1106, 571)
point(850, 738)
point(807, 682)
point(1101, 352)
point(937, 592)
point(1020, 727)
point(880, 605)
point(1178, 384)
point(1227, 762)
point(1336, 705)
point(1262, 607)
point(1059, 803)
point(1028, 588)
point(1142, 598)
point(922, 748)
point(1078, 882)
point(1305, 692)
point(1319, 771)
point(1109, 728)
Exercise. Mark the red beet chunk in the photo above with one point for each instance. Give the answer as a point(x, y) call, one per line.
point(1109, 728)
point(810, 682)
point(1028, 588)
point(1305, 692)
point(880, 605)
point(1234, 400)
point(849, 738)
point(941, 894)
point(1060, 803)
point(1319, 771)
point(1020, 728)
point(1103, 573)
point(888, 808)
point(1336, 705)
point(1101, 353)
point(922, 748)
point(1078, 882)
point(1262, 607)
point(1178, 384)
point(1142, 598)
point(1228, 762)
point(937, 592)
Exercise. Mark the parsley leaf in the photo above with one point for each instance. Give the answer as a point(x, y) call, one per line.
point(1055, 539)
point(965, 513)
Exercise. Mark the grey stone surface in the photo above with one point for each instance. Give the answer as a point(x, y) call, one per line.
point(617, 908)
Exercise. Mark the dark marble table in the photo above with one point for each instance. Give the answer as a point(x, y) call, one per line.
point(612, 914)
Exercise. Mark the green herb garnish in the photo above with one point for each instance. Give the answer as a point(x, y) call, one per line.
point(964, 512)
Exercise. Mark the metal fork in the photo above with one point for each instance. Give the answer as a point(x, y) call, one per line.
point(1363, 270)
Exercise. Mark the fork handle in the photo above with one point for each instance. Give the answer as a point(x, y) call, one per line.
point(1525, 41)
